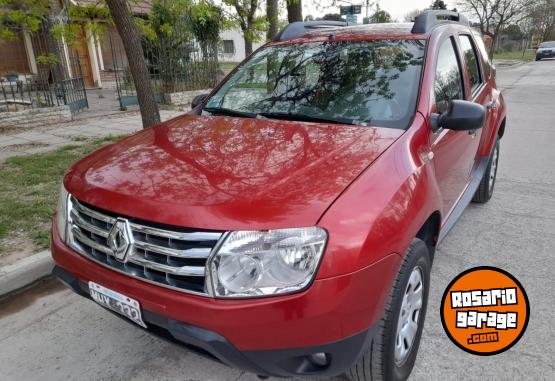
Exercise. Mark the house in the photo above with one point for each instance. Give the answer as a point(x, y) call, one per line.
point(95, 58)
point(90, 56)
point(233, 46)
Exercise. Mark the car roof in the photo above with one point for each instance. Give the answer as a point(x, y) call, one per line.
point(425, 24)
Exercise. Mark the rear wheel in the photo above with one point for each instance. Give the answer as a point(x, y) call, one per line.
point(485, 189)
point(392, 352)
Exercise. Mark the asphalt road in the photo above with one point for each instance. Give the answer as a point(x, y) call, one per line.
point(50, 334)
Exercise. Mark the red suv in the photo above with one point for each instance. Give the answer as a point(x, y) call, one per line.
point(287, 225)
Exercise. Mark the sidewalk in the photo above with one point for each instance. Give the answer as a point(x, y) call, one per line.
point(49, 138)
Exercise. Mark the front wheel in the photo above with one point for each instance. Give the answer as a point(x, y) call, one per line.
point(391, 354)
point(485, 189)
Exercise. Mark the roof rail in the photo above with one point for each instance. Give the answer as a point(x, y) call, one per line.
point(300, 28)
point(430, 18)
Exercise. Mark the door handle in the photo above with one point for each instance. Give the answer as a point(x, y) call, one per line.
point(490, 105)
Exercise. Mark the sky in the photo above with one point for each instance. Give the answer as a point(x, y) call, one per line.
point(396, 8)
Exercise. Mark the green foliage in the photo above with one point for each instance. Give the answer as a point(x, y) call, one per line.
point(98, 11)
point(69, 32)
point(245, 17)
point(438, 4)
point(513, 32)
point(168, 36)
point(380, 16)
point(206, 21)
point(48, 59)
point(17, 15)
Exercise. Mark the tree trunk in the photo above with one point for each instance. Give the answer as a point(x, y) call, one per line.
point(272, 14)
point(135, 56)
point(294, 10)
point(248, 45)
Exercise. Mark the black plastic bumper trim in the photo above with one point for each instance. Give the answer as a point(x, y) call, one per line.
point(281, 363)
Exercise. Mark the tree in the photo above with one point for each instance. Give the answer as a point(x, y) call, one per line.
point(131, 38)
point(294, 10)
point(438, 4)
point(21, 15)
point(513, 32)
point(333, 17)
point(380, 16)
point(272, 13)
point(245, 15)
point(494, 15)
point(542, 18)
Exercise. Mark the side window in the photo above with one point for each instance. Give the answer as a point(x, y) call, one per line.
point(485, 55)
point(471, 60)
point(448, 83)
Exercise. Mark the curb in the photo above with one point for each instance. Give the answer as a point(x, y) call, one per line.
point(25, 272)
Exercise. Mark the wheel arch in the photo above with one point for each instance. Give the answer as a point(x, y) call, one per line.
point(501, 130)
point(429, 231)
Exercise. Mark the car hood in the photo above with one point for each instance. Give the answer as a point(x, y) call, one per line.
point(228, 173)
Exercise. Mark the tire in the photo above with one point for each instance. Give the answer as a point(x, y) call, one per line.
point(485, 189)
point(538, 58)
point(379, 361)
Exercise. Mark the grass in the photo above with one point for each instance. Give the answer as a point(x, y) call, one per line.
point(529, 55)
point(29, 192)
point(228, 66)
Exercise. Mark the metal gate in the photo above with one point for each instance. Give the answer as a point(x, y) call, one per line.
point(59, 72)
point(190, 66)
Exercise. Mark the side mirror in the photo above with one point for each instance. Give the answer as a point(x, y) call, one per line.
point(198, 100)
point(460, 116)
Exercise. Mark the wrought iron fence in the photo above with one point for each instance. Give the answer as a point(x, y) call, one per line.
point(19, 92)
point(58, 81)
point(188, 67)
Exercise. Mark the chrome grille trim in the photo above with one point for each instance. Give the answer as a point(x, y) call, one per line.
point(91, 213)
point(89, 242)
point(85, 225)
point(195, 236)
point(168, 258)
point(183, 271)
point(187, 253)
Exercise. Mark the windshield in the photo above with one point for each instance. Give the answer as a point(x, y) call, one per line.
point(370, 82)
point(548, 44)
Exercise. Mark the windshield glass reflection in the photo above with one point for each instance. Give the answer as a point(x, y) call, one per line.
point(368, 82)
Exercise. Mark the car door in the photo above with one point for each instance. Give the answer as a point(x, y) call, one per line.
point(454, 151)
point(479, 88)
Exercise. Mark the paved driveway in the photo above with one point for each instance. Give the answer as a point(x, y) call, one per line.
point(51, 334)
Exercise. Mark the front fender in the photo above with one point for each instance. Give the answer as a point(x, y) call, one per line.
point(382, 211)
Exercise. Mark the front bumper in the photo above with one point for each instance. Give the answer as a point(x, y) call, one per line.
point(340, 355)
point(332, 316)
point(550, 54)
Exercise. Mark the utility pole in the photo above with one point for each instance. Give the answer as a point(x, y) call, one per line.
point(367, 6)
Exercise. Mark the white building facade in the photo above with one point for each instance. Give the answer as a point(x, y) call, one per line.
point(233, 46)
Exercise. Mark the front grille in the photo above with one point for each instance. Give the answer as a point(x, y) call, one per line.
point(171, 257)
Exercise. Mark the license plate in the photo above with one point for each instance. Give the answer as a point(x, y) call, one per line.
point(117, 302)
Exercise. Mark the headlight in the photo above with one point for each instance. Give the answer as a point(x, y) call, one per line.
point(62, 213)
point(259, 263)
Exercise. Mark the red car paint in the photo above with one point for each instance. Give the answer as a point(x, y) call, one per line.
point(227, 173)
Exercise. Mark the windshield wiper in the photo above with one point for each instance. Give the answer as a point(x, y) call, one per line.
point(228, 112)
point(306, 118)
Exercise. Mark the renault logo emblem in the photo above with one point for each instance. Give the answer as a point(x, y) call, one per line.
point(120, 239)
